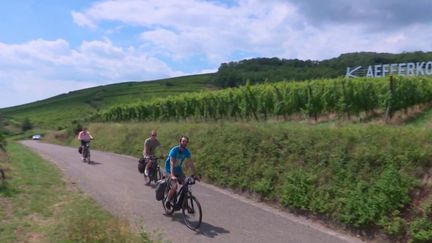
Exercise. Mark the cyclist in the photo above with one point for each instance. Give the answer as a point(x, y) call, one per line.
point(84, 136)
point(150, 145)
point(173, 167)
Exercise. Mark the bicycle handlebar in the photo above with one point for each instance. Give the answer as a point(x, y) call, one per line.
point(192, 179)
point(156, 158)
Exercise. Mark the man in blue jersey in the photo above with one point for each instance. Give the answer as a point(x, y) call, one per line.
point(173, 167)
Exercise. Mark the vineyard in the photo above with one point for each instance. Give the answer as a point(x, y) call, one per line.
point(344, 97)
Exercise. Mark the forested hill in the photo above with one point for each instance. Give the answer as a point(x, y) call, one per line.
point(259, 70)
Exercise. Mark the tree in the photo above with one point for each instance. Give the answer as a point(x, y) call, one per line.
point(26, 124)
point(259, 70)
point(2, 143)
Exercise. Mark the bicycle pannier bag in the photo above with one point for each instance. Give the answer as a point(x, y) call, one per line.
point(160, 189)
point(141, 165)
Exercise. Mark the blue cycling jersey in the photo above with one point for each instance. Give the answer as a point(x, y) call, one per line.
point(179, 157)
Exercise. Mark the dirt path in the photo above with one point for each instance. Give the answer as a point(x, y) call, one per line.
point(115, 183)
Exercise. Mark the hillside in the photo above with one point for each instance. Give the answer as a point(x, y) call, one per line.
point(57, 112)
point(60, 110)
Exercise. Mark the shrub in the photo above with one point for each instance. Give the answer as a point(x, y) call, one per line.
point(75, 128)
point(393, 225)
point(2, 143)
point(26, 124)
point(298, 189)
point(421, 230)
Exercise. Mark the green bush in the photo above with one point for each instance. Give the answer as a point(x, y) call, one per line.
point(421, 230)
point(298, 189)
point(265, 182)
point(26, 124)
point(2, 143)
point(74, 128)
point(393, 225)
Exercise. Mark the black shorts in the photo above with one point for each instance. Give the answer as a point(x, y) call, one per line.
point(180, 177)
point(84, 143)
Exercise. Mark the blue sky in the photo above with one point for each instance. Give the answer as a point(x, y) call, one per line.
point(50, 47)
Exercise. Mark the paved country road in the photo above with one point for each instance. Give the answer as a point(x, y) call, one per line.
point(114, 181)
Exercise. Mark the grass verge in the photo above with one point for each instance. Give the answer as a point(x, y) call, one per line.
point(38, 205)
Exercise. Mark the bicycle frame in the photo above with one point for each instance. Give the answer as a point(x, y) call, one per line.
point(185, 201)
point(153, 170)
point(86, 152)
point(180, 195)
point(154, 173)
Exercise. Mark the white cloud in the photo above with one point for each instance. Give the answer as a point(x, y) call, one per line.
point(25, 89)
point(286, 29)
point(182, 29)
point(40, 68)
point(82, 20)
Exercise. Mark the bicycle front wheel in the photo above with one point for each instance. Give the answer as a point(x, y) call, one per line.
point(192, 213)
point(168, 210)
point(147, 179)
point(159, 175)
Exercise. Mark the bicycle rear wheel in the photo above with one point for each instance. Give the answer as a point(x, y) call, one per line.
point(155, 174)
point(192, 213)
point(86, 155)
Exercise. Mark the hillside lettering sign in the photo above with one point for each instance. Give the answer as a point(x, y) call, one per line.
point(382, 70)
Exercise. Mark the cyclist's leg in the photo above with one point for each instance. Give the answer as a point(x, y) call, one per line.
point(88, 150)
point(147, 168)
point(173, 188)
point(83, 144)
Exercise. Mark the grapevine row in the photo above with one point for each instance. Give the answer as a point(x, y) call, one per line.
point(344, 97)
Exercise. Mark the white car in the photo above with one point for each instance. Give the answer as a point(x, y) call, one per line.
point(37, 137)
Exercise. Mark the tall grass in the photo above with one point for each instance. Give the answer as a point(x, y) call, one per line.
point(38, 205)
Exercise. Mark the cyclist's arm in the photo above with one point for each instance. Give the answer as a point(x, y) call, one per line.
point(146, 150)
point(172, 163)
point(161, 152)
point(191, 165)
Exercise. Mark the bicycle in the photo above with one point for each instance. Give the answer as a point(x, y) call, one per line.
point(184, 200)
point(154, 172)
point(86, 153)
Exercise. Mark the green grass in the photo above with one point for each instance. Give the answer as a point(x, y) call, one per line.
point(38, 205)
point(424, 119)
point(59, 111)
